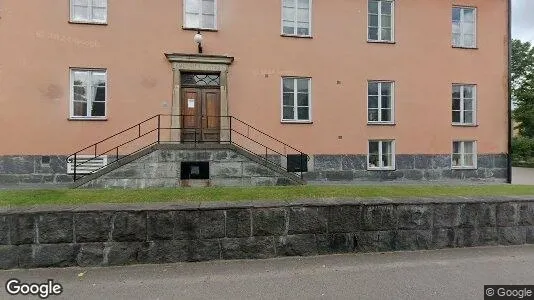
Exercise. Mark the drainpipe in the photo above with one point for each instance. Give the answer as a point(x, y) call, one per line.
point(509, 162)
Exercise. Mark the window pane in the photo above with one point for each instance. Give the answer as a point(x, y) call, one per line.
point(373, 147)
point(386, 115)
point(373, 101)
point(386, 101)
point(303, 29)
point(469, 40)
point(469, 160)
point(387, 7)
point(469, 14)
point(468, 28)
point(288, 14)
point(100, 94)
point(373, 34)
point(468, 92)
point(208, 7)
point(208, 21)
point(288, 99)
point(81, 2)
point(456, 14)
point(456, 116)
point(289, 113)
point(373, 20)
point(80, 93)
point(456, 104)
point(303, 15)
point(99, 14)
point(288, 3)
point(468, 104)
point(192, 20)
point(373, 7)
point(372, 115)
point(303, 113)
point(80, 109)
point(456, 40)
point(456, 27)
point(302, 100)
point(456, 160)
point(456, 92)
point(468, 147)
point(373, 160)
point(386, 88)
point(386, 148)
point(386, 160)
point(192, 6)
point(372, 88)
point(288, 28)
point(455, 147)
point(81, 13)
point(98, 109)
point(304, 4)
point(386, 21)
point(468, 117)
point(302, 85)
point(288, 85)
point(386, 35)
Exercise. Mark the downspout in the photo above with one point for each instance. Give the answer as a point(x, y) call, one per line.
point(510, 130)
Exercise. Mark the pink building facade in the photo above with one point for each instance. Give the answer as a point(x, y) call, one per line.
point(368, 89)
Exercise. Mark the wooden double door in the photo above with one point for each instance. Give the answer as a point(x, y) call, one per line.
point(200, 114)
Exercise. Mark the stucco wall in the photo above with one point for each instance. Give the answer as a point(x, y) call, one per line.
point(39, 46)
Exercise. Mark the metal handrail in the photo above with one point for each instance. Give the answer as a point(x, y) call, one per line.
point(232, 128)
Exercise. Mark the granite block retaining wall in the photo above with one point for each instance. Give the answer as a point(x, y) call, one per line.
point(105, 236)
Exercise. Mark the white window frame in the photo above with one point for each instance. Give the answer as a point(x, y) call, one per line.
point(90, 20)
point(89, 96)
point(380, 102)
point(295, 32)
point(462, 153)
point(475, 22)
point(295, 102)
point(215, 20)
point(380, 40)
point(381, 167)
point(462, 121)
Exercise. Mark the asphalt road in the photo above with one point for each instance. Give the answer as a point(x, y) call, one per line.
point(443, 274)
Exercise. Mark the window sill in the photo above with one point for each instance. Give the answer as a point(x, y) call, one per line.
point(464, 168)
point(295, 122)
point(380, 169)
point(466, 48)
point(380, 42)
point(87, 118)
point(200, 29)
point(381, 124)
point(88, 23)
point(464, 125)
point(296, 36)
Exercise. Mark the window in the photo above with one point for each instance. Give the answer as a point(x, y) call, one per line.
point(296, 102)
point(201, 14)
point(88, 93)
point(464, 27)
point(463, 104)
point(380, 20)
point(464, 155)
point(296, 17)
point(89, 11)
point(380, 102)
point(381, 155)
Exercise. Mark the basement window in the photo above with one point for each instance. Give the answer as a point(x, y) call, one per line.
point(297, 163)
point(195, 170)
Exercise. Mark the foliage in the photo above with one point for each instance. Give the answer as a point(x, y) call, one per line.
point(522, 149)
point(522, 76)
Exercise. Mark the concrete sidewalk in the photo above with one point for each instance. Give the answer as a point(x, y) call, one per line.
point(443, 274)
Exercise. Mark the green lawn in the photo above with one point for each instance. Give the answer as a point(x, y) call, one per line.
point(81, 196)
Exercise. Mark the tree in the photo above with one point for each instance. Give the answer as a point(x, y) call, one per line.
point(522, 76)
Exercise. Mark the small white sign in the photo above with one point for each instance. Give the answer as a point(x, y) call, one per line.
point(190, 103)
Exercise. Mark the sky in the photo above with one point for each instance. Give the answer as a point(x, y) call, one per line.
point(523, 20)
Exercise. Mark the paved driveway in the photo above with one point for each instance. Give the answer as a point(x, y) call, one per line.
point(523, 176)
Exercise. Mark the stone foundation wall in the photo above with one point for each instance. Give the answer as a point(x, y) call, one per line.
point(490, 168)
point(198, 232)
point(161, 168)
point(33, 170)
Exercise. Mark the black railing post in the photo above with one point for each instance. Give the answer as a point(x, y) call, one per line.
point(117, 154)
point(301, 165)
point(230, 129)
point(75, 166)
point(95, 149)
point(159, 125)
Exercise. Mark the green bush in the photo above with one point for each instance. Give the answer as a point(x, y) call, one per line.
point(522, 149)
